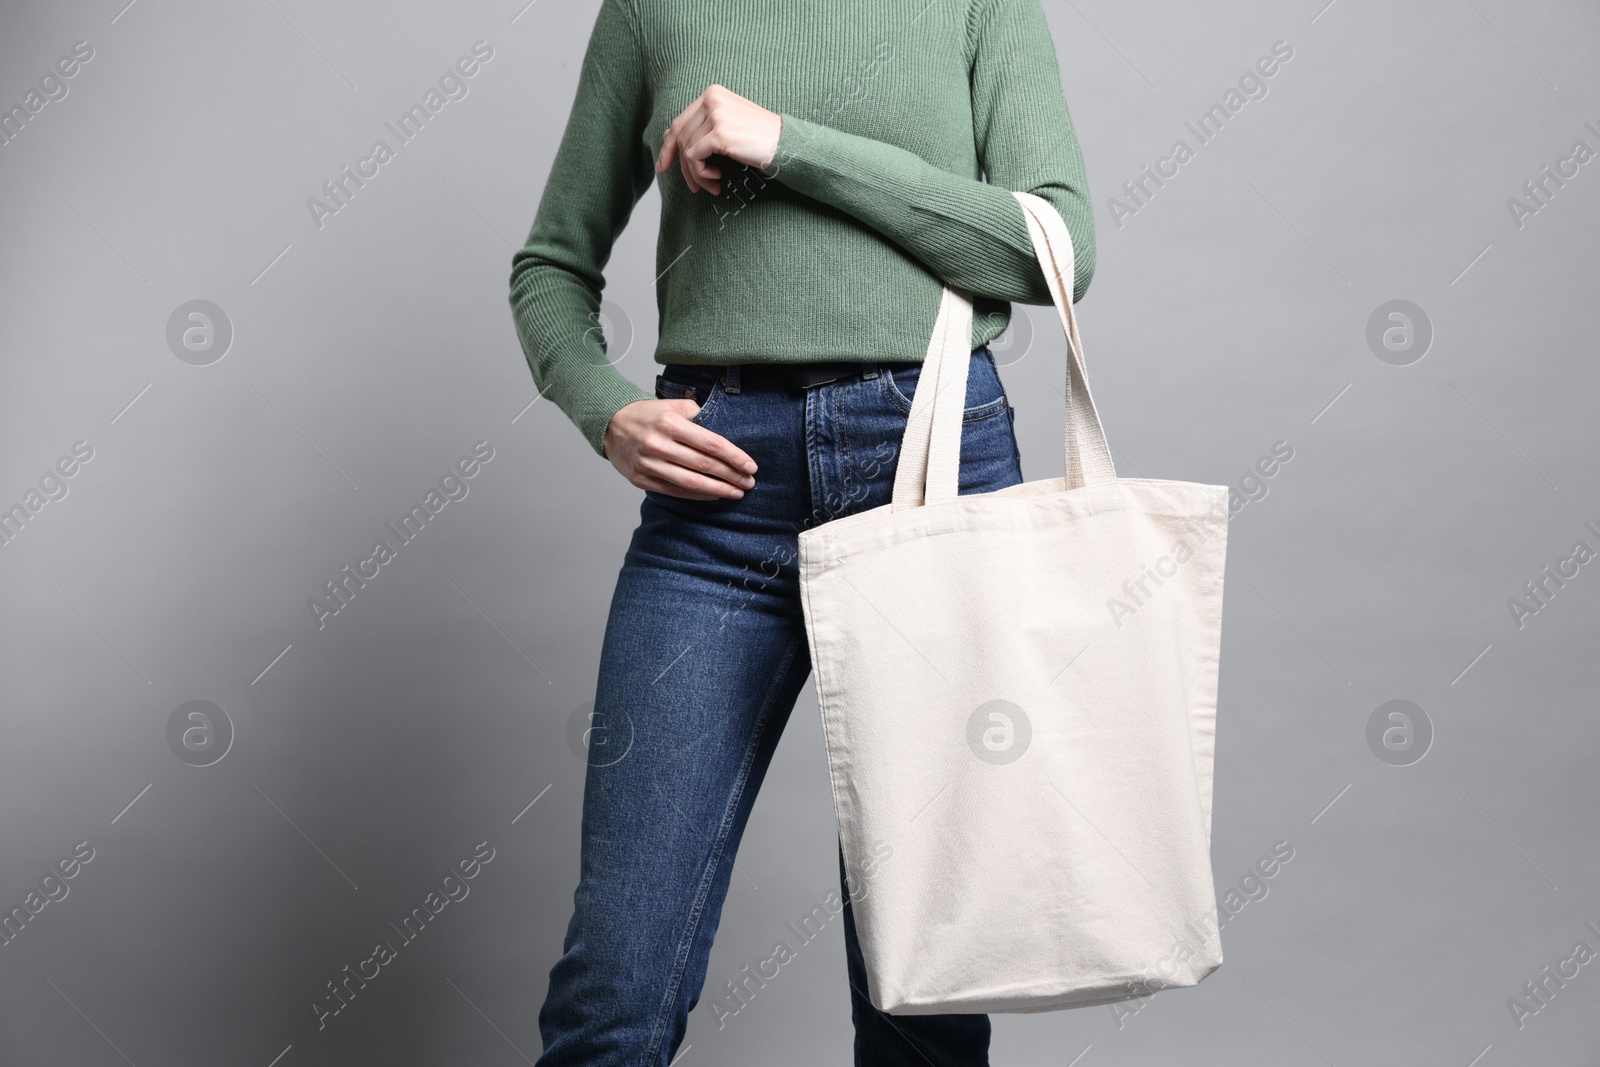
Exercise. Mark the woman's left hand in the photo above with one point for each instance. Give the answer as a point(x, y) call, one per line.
point(719, 121)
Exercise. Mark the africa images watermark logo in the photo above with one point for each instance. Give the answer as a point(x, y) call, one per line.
point(999, 732)
point(1540, 990)
point(53, 88)
point(452, 85)
point(598, 738)
point(52, 888)
point(1538, 191)
point(1252, 85)
point(1399, 732)
point(1538, 591)
point(739, 993)
point(1399, 332)
point(199, 733)
point(1136, 592)
point(341, 591)
point(52, 486)
point(199, 332)
point(452, 889)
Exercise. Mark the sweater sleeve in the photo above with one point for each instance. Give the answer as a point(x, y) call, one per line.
point(971, 234)
point(601, 169)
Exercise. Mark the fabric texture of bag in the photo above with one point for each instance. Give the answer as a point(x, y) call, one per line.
point(1018, 693)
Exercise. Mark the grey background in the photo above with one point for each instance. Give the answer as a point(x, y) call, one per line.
point(1228, 314)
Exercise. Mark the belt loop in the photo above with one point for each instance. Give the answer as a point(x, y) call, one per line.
point(730, 378)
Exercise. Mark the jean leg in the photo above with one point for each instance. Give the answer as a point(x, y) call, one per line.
point(697, 679)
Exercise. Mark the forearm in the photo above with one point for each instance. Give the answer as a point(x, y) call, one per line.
point(556, 315)
point(971, 234)
point(599, 173)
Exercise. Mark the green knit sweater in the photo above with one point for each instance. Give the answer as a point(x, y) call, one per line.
point(894, 112)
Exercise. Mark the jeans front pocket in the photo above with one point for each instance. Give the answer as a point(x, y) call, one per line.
point(986, 396)
point(700, 384)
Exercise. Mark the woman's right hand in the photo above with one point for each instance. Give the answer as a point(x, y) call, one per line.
point(656, 447)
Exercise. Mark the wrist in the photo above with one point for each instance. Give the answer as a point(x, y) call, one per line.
point(607, 435)
point(771, 167)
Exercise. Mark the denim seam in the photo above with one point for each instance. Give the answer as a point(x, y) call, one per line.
point(845, 464)
point(709, 408)
point(1016, 449)
point(686, 943)
point(819, 507)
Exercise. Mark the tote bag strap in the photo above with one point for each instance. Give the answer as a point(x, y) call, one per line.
point(928, 468)
point(930, 448)
point(1088, 453)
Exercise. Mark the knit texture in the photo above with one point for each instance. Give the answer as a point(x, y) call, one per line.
point(894, 114)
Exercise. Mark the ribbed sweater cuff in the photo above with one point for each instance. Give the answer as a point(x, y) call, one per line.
point(606, 400)
point(590, 393)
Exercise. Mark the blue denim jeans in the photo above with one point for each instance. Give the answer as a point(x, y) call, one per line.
point(704, 656)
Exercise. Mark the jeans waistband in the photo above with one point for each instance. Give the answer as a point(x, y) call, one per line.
point(792, 375)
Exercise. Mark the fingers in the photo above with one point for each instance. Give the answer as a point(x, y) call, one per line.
point(674, 480)
point(688, 168)
point(699, 139)
point(692, 138)
point(673, 142)
point(660, 485)
point(691, 127)
point(669, 140)
point(689, 471)
point(719, 449)
point(708, 464)
point(683, 459)
point(655, 446)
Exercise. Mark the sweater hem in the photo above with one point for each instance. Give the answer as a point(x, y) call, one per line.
point(916, 353)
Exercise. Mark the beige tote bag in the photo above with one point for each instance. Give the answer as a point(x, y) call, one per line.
point(1018, 695)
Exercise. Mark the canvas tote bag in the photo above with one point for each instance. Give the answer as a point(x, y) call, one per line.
point(1018, 694)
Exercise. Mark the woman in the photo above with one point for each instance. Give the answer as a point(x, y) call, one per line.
point(820, 166)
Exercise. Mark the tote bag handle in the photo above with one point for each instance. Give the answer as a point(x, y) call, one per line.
point(930, 451)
